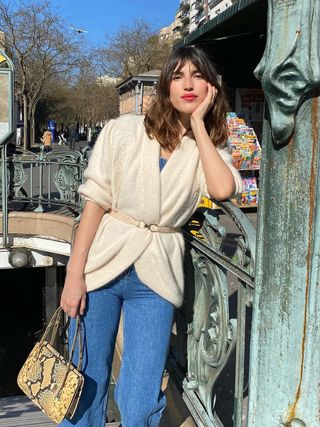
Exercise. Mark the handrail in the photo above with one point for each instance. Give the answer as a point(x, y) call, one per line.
point(212, 327)
point(42, 182)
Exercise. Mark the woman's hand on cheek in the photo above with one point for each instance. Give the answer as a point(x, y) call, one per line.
point(201, 111)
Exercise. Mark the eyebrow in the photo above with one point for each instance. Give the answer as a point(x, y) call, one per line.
point(196, 71)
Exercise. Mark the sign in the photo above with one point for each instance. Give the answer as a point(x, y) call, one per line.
point(6, 97)
point(4, 106)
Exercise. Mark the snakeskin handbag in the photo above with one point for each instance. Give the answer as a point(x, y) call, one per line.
point(48, 379)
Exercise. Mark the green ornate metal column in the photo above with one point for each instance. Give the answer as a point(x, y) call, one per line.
point(285, 351)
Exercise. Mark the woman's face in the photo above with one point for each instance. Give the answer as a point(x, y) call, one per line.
point(187, 89)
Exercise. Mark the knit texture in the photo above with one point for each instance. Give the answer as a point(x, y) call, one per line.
point(124, 174)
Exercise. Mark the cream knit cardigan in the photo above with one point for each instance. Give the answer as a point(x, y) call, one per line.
point(123, 173)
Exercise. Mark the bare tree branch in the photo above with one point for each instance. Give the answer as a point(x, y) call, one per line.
point(134, 49)
point(40, 48)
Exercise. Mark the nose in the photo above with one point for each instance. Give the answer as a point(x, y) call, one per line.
point(188, 84)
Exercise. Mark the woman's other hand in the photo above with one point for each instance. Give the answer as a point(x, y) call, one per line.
point(73, 298)
point(202, 110)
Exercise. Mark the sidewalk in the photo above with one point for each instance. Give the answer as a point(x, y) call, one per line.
point(19, 411)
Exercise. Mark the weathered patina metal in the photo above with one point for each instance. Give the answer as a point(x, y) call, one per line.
point(285, 353)
point(43, 182)
point(212, 329)
point(16, 178)
point(290, 66)
point(68, 178)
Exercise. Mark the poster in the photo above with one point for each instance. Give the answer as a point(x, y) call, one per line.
point(4, 106)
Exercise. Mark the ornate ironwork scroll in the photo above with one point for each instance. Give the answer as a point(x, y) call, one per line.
point(212, 331)
point(16, 177)
point(211, 335)
point(67, 179)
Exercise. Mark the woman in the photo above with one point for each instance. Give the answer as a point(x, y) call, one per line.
point(145, 179)
point(47, 140)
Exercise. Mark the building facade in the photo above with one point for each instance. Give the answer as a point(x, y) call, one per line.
point(172, 32)
point(195, 13)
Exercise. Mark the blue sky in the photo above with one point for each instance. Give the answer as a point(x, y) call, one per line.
point(107, 16)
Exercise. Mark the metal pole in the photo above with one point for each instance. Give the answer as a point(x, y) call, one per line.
point(285, 352)
point(39, 208)
point(137, 97)
point(4, 197)
point(141, 98)
point(240, 355)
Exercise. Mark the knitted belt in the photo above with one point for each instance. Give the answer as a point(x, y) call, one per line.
point(141, 224)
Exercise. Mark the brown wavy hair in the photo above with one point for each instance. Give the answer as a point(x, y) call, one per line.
point(161, 120)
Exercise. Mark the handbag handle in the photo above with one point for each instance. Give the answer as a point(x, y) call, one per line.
point(52, 330)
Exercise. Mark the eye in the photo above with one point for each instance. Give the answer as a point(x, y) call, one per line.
point(176, 77)
point(198, 76)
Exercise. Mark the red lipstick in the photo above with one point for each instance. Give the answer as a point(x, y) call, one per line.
point(189, 96)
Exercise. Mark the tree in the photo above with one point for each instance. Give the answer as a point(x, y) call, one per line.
point(96, 99)
point(134, 49)
point(40, 50)
point(86, 100)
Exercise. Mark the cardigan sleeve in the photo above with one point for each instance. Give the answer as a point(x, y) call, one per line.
point(97, 185)
point(226, 156)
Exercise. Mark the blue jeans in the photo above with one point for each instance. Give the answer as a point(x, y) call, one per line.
point(147, 324)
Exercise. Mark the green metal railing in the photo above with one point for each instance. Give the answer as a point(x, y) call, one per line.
point(41, 182)
point(209, 357)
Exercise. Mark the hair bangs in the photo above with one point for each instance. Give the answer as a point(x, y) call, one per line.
point(184, 55)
